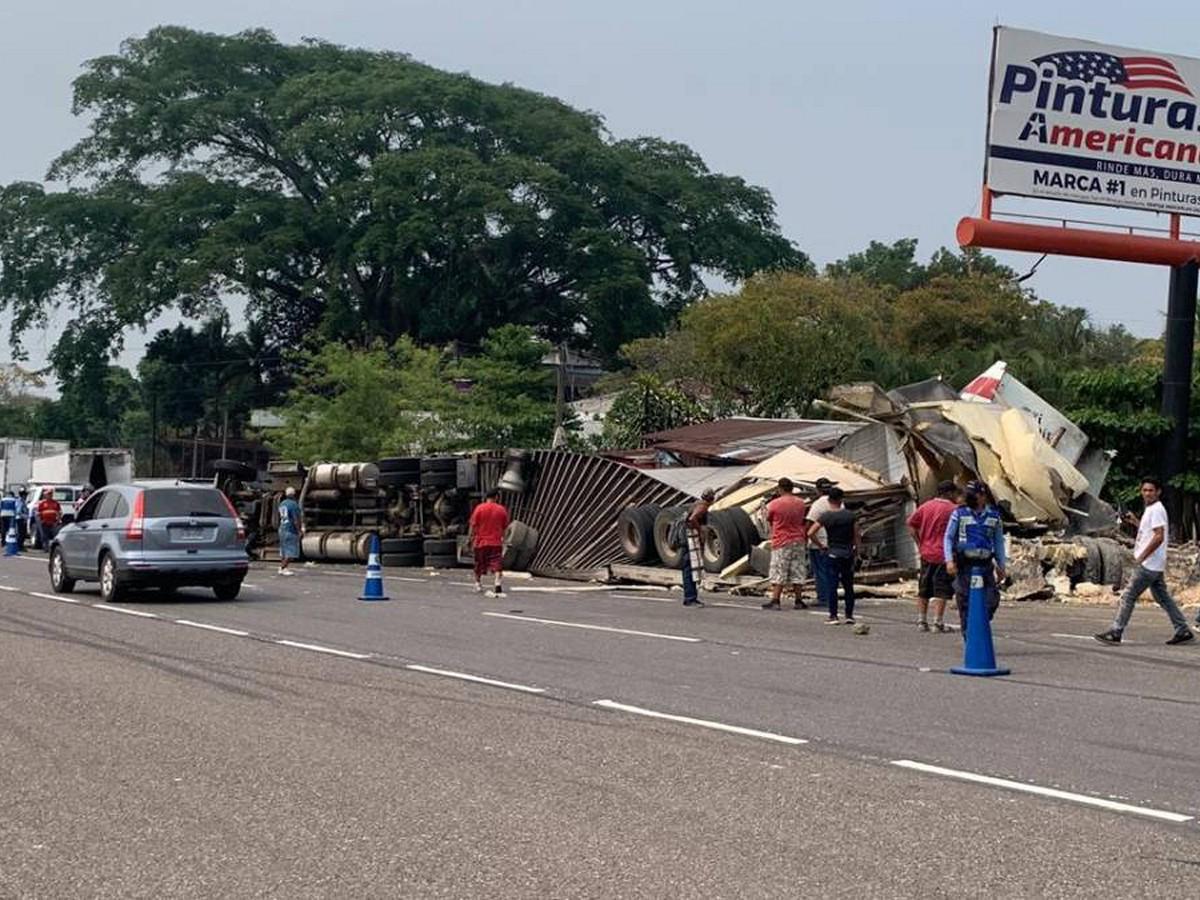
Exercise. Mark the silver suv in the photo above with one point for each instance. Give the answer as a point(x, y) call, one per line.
point(152, 534)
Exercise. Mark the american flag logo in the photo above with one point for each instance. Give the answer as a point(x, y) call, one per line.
point(1134, 73)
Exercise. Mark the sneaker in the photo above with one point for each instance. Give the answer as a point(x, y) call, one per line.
point(478, 588)
point(1181, 637)
point(282, 570)
point(771, 604)
point(800, 604)
point(833, 620)
point(493, 595)
point(941, 627)
point(849, 621)
point(287, 572)
point(922, 626)
point(1108, 637)
point(693, 602)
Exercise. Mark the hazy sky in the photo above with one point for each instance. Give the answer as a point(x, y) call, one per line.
point(864, 119)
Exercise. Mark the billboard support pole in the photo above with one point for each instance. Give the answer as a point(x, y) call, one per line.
point(1179, 344)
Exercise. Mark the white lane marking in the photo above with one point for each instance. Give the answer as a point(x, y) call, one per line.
point(703, 723)
point(206, 627)
point(53, 597)
point(580, 589)
point(463, 676)
point(317, 648)
point(1043, 791)
point(649, 634)
point(1086, 637)
point(403, 578)
point(650, 599)
point(127, 612)
point(11, 590)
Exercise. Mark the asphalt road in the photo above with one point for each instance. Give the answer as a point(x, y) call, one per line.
point(613, 744)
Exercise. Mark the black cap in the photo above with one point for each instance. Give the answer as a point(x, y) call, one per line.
point(947, 487)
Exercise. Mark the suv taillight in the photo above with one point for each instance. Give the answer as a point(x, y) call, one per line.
point(241, 529)
point(137, 521)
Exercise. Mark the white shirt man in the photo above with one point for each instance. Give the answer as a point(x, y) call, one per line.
point(1150, 558)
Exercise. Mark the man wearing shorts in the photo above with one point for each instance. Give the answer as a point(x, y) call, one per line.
point(485, 534)
point(928, 529)
point(789, 539)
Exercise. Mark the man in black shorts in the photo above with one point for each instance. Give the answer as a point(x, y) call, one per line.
point(928, 529)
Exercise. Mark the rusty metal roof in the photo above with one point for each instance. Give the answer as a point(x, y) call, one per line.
point(746, 439)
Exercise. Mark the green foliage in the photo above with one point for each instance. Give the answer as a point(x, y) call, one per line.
point(195, 377)
point(362, 196)
point(19, 408)
point(646, 405)
point(508, 402)
point(386, 400)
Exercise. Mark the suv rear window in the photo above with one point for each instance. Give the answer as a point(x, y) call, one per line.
point(163, 502)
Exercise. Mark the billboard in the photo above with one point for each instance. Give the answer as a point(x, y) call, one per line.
point(1091, 123)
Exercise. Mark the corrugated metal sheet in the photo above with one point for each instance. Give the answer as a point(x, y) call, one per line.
point(573, 500)
point(745, 439)
point(694, 479)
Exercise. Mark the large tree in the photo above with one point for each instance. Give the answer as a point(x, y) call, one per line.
point(364, 196)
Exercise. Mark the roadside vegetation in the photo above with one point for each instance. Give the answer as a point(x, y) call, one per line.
point(384, 252)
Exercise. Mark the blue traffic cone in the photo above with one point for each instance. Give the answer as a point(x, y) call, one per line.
point(979, 655)
point(10, 542)
point(373, 588)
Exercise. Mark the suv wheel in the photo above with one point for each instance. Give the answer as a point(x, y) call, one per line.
point(228, 590)
point(111, 589)
point(59, 582)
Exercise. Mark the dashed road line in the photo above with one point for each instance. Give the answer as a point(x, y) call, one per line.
point(559, 623)
point(123, 611)
point(319, 648)
point(1111, 805)
point(477, 679)
point(57, 597)
point(703, 723)
point(222, 629)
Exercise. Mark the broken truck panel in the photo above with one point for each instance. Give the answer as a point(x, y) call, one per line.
point(997, 385)
point(1017, 463)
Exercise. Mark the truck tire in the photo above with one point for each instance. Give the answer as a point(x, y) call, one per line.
point(745, 526)
point(760, 560)
point(722, 542)
point(635, 525)
point(672, 559)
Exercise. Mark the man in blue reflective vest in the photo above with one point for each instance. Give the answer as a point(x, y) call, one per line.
point(8, 515)
point(975, 540)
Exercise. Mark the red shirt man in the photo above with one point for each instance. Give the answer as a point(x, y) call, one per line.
point(49, 510)
point(489, 520)
point(789, 544)
point(928, 529)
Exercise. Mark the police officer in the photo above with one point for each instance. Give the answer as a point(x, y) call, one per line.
point(975, 542)
point(22, 518)
point(8, 514)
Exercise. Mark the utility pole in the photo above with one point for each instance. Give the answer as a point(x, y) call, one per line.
point(225, 433)
point(1178, 351)
point(154, 434)
point(560, 395)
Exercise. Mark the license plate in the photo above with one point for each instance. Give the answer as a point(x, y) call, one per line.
point(191, 534)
